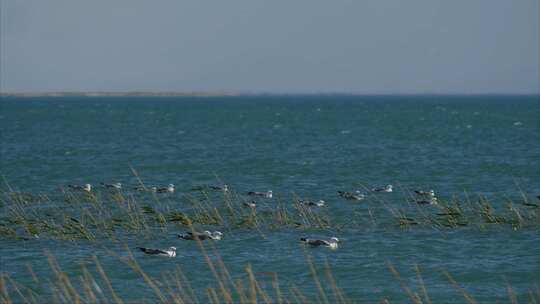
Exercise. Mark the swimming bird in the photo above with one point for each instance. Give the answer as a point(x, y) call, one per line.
point(86, 187)
point(352, 196)
point(267, 194)
point(171, 252)
point(319, 203)
point(251, 204)
point(332, 243)
point(223, 188)
point(432, 201)
point(149, 189)
point(430, 192)
point(205, 235)
point(387, 188)
point(200, 188)
point(168, 189)
point(112, 186)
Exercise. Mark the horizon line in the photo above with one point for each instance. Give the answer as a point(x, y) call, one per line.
point(227, 93)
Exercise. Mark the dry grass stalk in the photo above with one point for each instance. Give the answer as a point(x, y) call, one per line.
point(467, 296)
point(414, 298)
point(107, 281)
point(316, 278)
point(422, 285)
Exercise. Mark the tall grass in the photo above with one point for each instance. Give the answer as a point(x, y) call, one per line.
point(113, 215)
point(93, 285)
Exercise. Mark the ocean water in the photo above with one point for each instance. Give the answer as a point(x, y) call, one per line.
point(463, 147)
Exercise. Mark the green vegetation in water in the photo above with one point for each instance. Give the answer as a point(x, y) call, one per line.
point(104, 215)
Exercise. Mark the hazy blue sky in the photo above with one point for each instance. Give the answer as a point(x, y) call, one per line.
point(361, 46)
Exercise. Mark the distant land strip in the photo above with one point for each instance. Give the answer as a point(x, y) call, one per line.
point(224, 94)
point(118, 94)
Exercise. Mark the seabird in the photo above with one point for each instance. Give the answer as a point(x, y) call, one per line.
point(267, 194)
point(86, 187)
point(149, 189)
point(198, 188)
point(112, 186)
point(352, 196)
point(387, 188)
point(206, 235)
point(432, 201)
point(332, 243)
point(171, 252)
point(319, 203)
point(168, 189)
point(223, 188)
point(251, 204)
point(430, 192)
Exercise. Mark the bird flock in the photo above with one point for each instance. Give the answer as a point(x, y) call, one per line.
point(426, 198)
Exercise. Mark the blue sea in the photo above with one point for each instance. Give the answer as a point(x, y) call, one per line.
point(471, 150)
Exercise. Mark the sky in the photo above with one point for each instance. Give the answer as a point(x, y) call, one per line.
point(271, 46)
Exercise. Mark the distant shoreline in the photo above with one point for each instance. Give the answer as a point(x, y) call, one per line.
point(225, 94)
point(115, 94)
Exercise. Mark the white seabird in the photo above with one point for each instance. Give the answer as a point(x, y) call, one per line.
point(533, 205)
point(168, 189)
point(86, 187)
point(319, 203)
point(357, 195)
point(428, 193)
point(199, 188)
point(387, 188)
point(224, 188)
point(251, 204)
point(149, 189)
point(112, 186)
point(431, 201)
point(205, 235)
point(267, 194)
point(171, 252)
point(332, 243)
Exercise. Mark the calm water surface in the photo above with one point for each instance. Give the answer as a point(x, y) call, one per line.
point(294, 145)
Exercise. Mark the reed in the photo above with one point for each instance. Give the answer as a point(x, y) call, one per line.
point(106, 214)
point(172, 286)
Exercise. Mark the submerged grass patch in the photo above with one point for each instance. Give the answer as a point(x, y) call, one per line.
point(115, 215)
point(106, 214)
